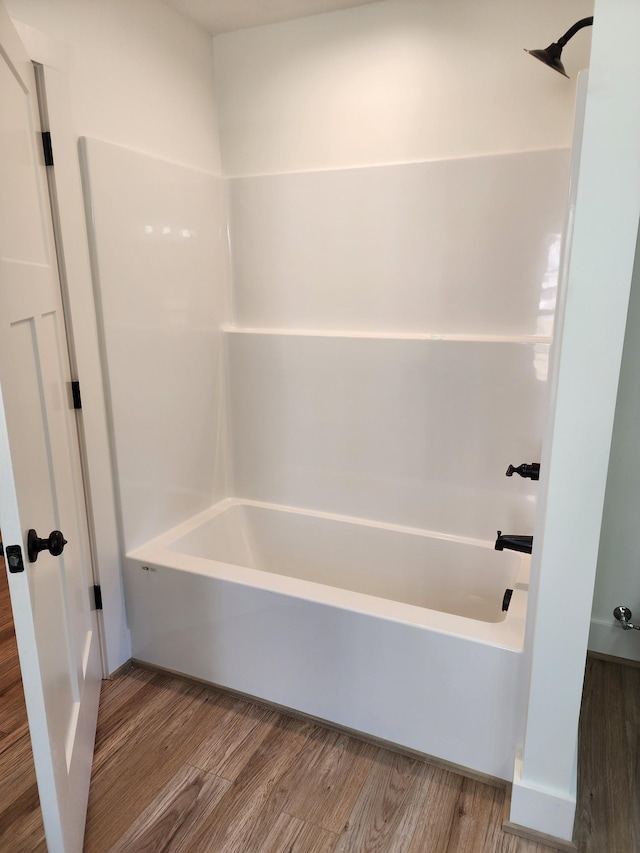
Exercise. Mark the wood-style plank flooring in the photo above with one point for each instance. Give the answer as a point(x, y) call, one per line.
point(179, 766)
point(182, 767)
point(21, 826)
point(608, 813)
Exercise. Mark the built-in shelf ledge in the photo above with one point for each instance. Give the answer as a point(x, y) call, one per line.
point(390, 336)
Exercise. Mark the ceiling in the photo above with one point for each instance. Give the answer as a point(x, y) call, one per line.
point(220, 16)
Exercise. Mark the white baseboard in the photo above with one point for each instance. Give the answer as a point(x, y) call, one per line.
point(549, 813)
point(608, 638)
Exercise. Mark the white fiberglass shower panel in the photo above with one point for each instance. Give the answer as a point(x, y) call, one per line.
point(388, 350)
point(160, 267)
point(410, 431)
point(467, 246)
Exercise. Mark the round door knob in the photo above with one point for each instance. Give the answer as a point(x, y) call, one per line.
point(54, 544)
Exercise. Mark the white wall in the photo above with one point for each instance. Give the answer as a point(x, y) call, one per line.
point(140, 74)
point(618, 575)
point(396, 81)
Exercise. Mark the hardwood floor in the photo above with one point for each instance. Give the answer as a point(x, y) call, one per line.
point(179, 766)
point(182, 767)
point(608, 813)
point(21, 829)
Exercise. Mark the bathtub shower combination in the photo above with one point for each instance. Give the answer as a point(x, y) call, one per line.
point(317, 382)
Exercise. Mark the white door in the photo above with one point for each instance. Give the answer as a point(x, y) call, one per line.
point(40, 477)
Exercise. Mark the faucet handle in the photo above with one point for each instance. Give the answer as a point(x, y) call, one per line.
point(525, 470)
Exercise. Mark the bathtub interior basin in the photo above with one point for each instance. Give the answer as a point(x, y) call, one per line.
point(404, 565)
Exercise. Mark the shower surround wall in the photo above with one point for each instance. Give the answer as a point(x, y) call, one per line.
point(389, 349)
point(386, 352)
point(385, 357)
point(160, 266)
point(374, 427)
point(397, 187)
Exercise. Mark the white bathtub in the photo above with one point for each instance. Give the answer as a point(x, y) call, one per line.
point(394, 632)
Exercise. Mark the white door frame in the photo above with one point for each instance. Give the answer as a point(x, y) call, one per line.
point(80, 312)
point(578, 441)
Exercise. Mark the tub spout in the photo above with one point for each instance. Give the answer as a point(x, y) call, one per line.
point(514, 543)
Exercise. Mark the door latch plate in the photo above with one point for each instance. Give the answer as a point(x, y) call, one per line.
point(13, 557)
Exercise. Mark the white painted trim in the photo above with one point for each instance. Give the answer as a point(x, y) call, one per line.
point(81, 317)
point(537, 807)
point(42, 48)
point(607, 212)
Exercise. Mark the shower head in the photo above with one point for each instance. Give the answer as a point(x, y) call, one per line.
point(551, 55)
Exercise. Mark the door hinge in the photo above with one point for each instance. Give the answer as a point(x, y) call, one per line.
point(75, 394)
point(47, 148)
point(97, 596)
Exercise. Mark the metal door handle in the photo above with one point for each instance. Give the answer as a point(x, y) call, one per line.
point(54, 544)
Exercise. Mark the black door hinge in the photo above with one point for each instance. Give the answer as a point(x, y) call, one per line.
point(47, 148)
point(97, 596)
point(75, 393)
